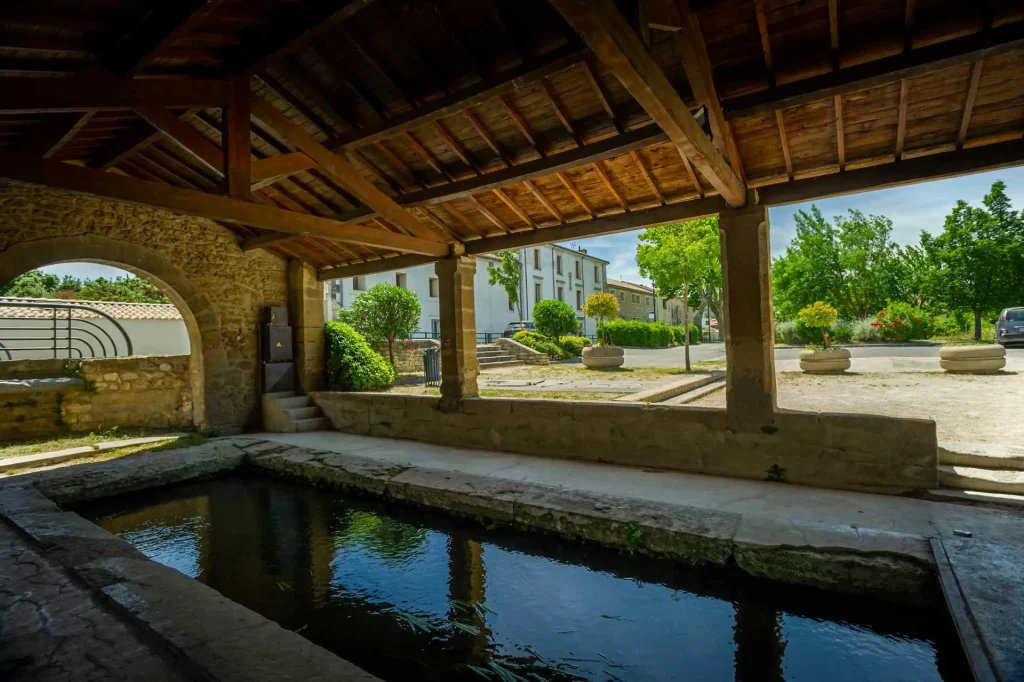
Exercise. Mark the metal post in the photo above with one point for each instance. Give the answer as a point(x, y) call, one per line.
point(54, 333)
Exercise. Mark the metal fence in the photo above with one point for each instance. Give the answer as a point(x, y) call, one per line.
point(481, 337)
point(61, 333)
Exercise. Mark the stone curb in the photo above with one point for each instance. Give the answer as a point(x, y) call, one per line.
point(662, 393)
point(44, 458)
point(896, 566)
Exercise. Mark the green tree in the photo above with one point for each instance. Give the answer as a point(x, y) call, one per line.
point(383, 314)
point(678, 255)
point(977, 259)
point(32, 284)
point(508, 275)
point(555, 319)
point(602, 306)
point(128, 289)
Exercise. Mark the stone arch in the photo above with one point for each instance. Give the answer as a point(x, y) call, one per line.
point(200, 317)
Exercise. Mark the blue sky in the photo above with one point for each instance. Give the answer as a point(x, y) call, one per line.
point(912, 209)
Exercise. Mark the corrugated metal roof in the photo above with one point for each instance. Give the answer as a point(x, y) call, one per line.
point(117, 310)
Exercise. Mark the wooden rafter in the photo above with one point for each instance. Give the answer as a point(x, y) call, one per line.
point(647, 177)
point(780, 121)
point(693, 176)
point(48, 142)
point(338, 168)
point(427, 157)
point(486, 135)
point(237, 140)
point(521, 123)
point(616, 43)
point(160, 28)
point(576, 195)
point(455, 146)
point(766, 42)
point(300, 105)
point(48, 173)
point(556, 105)
point(840, 132)
point(507, 200)
point(609, 186)
point(544, 200)
point(590, 71)
point(488, 214)
point(40, 95)
point(972, 93)
point(901, 123)
point(184, 135)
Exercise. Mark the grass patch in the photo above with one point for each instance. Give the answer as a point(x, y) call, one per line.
point(117, 453)
point(49, 443)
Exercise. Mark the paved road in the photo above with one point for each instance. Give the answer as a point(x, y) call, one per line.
point(882, 358)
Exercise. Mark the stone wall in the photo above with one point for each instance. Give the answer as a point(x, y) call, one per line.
point(846, 451)
point(219, 289)
point(93, 395)
point(408, 354)
point(523, 353)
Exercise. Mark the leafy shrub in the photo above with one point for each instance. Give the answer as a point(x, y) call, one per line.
point(639, 334)
point(842, 332)
point(352, 365)
point(815, 321)
point(383, 315)
point(555, 319)
point(573, 345)
point(902, 322)
point(865, 331)
point(785, 332)
point(679, 338)
point(542, 344)
point(948, 325)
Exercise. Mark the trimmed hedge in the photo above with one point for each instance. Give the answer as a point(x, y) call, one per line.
point(542, 344)
point(696, 335)
point(352, 365)
point(645, 334)
point(573, 345)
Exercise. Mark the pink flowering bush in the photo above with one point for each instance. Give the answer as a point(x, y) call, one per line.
point(902, 322)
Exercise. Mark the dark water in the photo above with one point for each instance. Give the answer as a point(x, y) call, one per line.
point(413, 595)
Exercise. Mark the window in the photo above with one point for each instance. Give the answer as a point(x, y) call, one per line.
point(664, 304)
point(579, 270)
point(536, 259)
point(537, 296)
point(561, 294)
point(433, 284)
point(647, 300)
point(622, 296)
point(597, 274)
point(358, 284)
point(579, 299)
point(558, 264)
point(400, 279)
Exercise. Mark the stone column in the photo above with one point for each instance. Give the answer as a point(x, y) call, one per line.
point(749, 333)
point(306, 313)
point(459, 367)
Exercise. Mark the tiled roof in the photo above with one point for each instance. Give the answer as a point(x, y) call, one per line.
point(619, 284)
point(117, 310)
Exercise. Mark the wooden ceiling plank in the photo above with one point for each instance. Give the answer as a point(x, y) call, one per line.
point(455, 146)
point(608, 184)
point(488, 214)
point(552, 97)
point(486, 135)
point(295, 101)
point(377, 171)
point(647, 176)
point(158, 31)
point(575, 194)
point(185, 136)
point(427, 157)
point(972, 93)
point(901, 124)
point(590, 71)
point(544, 200)
point(338, 168)
point(399, 167)
point(40, 95)
point(500, 193)
point(780, 121)
point(48, 173)
point(461, 217)
point(616, 43)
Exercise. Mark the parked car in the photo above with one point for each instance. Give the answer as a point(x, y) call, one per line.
point(514, 327)
point(1010, 327)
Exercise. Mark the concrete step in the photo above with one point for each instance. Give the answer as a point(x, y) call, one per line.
point(490, 351)
point(982, 455)
point(1005, 481)
point(503, 363)
point(696, 393)
point(497, 357)
point(297, 413)
point(280, 394)
point(315, 424)
point(976, 497)
point(293, 402)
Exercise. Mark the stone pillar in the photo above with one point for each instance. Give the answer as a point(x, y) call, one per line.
point(306, 313)
point(749, 333)
point(459, 367)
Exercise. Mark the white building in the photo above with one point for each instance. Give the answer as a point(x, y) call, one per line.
point(549, 271)
point(30, 333)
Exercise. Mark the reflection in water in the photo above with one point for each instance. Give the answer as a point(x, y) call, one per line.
point(413, 595)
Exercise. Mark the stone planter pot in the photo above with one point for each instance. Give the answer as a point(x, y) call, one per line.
point(603, 357)
point(987, 358)
point(825, 361)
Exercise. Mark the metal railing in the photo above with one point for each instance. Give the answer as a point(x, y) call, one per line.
point(66, 335)
point(481, 337)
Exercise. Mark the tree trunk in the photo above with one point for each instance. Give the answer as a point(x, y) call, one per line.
point(977, 325)
point(391, 352)
point(686, 321)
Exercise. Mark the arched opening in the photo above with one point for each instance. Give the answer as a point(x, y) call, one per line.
point(198, 316)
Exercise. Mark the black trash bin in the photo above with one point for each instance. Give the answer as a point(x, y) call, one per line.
point(432, 366)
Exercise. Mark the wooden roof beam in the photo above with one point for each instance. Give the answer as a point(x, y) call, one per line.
point(972, 93)
point(160, 28)
point(40, 95)
point(616, 43)
point(339, 168)
point(63, 176)
point(901, 122)
point(47, 143)
point(922, 61)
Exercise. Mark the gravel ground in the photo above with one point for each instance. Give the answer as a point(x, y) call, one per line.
point(969, 408)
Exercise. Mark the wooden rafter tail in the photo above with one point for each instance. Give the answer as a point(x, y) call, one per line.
point(972, 93)
point(48, 173)
point(901, 122)
point(38, 95)
point(615, 42)
point(339, 169)
point(780, 121)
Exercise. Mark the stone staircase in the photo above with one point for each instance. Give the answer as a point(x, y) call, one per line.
point(489, 356)
point(982, 470)
point(288, 412)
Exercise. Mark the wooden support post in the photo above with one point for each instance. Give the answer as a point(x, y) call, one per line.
point(459, 368)
point(749, 331)
point(237, 147)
